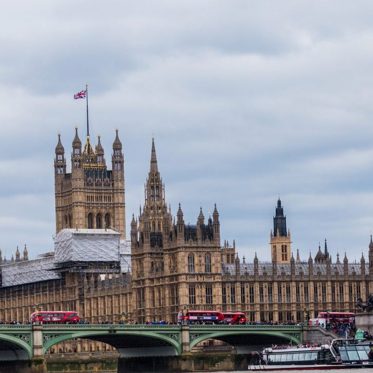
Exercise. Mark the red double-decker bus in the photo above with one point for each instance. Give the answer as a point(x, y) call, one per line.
point(55, 317)
point(234, 318)
point(204, 317)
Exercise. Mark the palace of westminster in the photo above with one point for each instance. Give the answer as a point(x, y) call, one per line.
point(166, 265)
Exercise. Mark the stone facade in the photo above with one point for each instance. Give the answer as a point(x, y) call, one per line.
point(175, 266)
point(91, 196)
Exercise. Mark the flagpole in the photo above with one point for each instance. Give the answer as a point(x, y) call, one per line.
point(86, 99)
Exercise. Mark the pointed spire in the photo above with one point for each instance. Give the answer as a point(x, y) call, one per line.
point(362, 260)
point(298, 257)
point(326, 248)
point(338, 261)
point(345, 260)
point(117, 145)
point(310, 259)
point(76, 142)
point(279, 221)
point(99, 148)
point(179, 213)
point(201, 217)
point(292, 260)
point(153, 159)
point(371, 243)
point(18, 255)
point(59, 147)
point(25, 253)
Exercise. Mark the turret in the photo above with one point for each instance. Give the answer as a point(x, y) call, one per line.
point(18, 255)
point(237, 265)
point(216, 226)
point(362, 265)
point(292, 265)
point(133, 230)
point(371, 256)
point(59, 161)
point(279, 221)
point(76, 157)
point(200, 223)
point(25, 253)
point(310, 266)
point(280, 237)
point(180, 225)
point(345, 265)
point(117, 157)
point(256, 265)
point(100, 152)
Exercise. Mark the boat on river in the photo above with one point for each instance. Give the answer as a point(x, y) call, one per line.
point(340, 354)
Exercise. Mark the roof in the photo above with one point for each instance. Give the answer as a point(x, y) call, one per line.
point(87, 245)
point(267, 267)
point(29, 271)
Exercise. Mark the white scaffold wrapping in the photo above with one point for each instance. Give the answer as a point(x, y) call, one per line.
point(29, 271)
point(87, 245)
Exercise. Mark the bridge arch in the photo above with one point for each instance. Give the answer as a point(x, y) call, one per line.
point(112, 337)
point(23, 345)
point(221, 334)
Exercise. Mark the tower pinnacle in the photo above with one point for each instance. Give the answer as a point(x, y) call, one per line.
point(153, 159)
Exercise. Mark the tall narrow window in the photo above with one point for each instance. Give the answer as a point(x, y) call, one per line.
point(243, 298)
point(261, 294)
point(279, 293)
point(98, 221)
point(270, 294)
point(192, 294)
point(288, 293)
point(323, 292)
point(107, 221)
point(208, 294)
point(233, 294)
point(306, 295)
point(251, 294)
point(90, 220)
point(224, 294)
point(297, 293)
point(208, 263)
point(315, 293)
point(191, 263)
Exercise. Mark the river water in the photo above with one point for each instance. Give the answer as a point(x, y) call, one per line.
point(362, 370)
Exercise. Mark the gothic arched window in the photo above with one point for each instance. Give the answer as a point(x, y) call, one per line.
point(191, 263)
point(90, 221)
point(208, 263)
point(107, 221)
point(98, 221)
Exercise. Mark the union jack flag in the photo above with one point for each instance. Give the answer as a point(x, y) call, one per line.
point(80, 94)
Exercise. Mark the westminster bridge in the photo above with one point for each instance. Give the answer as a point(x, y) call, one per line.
point(28, 342)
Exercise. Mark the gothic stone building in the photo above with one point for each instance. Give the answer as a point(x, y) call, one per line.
point(168, 265)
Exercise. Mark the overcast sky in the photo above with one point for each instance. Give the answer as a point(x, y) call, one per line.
point(247, 101)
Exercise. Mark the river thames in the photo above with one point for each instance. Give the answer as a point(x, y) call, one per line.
point(93, 370)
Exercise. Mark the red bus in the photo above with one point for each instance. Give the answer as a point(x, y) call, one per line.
point(234, 318)
point(204, 317)
point(55, 317)
point(329, 318)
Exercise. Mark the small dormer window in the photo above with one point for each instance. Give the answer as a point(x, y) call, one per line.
point(99, 159)
point(59, 157)
point(76, 151)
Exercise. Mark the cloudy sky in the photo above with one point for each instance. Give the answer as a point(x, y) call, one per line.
point(247, 101)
